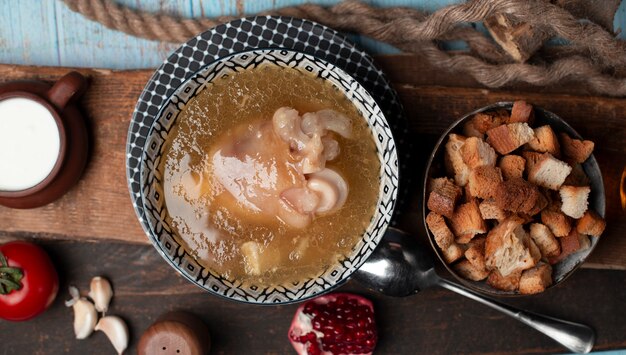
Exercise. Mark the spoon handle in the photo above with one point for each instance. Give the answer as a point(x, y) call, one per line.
point(578, 338)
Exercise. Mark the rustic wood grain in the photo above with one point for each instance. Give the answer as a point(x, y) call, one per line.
point(433, 322)
point(100, 208)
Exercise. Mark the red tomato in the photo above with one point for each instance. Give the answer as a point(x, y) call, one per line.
point(37, 287)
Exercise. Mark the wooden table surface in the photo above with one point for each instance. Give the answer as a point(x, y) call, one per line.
point(101, 236)
point(433, 322)
point(92, 230)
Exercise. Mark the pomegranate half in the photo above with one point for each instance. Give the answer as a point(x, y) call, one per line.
point(337, 323)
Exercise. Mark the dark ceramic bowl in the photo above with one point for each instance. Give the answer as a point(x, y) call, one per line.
point(435, 168)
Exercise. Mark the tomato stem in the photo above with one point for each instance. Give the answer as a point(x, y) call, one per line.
point(10, 277)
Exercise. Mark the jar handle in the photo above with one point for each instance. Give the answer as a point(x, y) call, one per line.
point(70, 87)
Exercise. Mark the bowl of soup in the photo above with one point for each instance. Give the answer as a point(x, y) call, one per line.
point(269, 176)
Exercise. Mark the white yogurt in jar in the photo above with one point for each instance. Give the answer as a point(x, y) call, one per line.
point(29, 143)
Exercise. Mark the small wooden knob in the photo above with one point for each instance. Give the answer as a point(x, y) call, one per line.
point(175, 333)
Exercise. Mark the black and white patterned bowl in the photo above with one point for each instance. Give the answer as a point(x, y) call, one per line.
point(152, 198)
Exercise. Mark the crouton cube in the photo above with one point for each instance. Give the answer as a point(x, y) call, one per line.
point(483, 181)
point(469, 271)
point(591, 224)
point(536, 280)
point(532, 158)
point(507, 247)
point(444, 196)
point(489, 210)
point(469, 130)
point(475, 253)
point(540, 204)
point(452, 253)
point(453, 160)
point(574, 200)
point(512, 166)
point(441, 232)
point(476, 152)
point(438, 183)
point(516, 195)
point(576, 149)
point(545, 141)
point(559, 224)
point(508, 283)
point(506, 138)
point(443, 237)
point(570, 244)
point(521, 112)
point(464, 238)
point(467, 220)
point(545, 240)
point(484, 121)
point(577, 177)
point(549, 172)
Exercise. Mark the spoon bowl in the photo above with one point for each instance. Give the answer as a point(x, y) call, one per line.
point(399, 266)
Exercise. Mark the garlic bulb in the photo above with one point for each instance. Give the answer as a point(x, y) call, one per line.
point(101, 293)
point(85, 315)
point(116, 330)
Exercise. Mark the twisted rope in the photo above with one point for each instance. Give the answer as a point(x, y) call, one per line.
point(592, 49)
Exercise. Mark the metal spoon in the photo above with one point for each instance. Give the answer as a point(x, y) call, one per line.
point(400, 266)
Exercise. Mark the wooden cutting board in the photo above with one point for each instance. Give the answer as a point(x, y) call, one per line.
point(99, 207)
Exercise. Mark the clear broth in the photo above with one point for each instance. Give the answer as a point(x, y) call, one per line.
point(211, 233)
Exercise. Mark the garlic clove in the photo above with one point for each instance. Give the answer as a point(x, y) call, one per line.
point(101, 293)
point(116, 330)
point(85, 318)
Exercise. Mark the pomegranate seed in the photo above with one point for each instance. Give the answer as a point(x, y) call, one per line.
point(313, 349)
point(310, 336)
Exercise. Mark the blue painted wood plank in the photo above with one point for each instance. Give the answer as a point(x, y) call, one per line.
point(619, 21)
point(84, 43)
point(28, 32)
point(209, 8)
point(45, 32)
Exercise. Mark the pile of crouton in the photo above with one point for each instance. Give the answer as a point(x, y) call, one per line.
point(514, 201)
